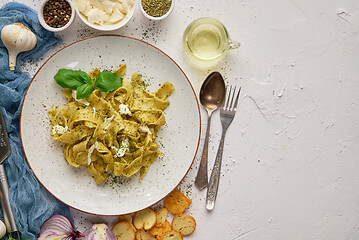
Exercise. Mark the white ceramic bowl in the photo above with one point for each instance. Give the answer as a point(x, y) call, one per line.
point(40, 16)
point(156, 18)
point(107, 27)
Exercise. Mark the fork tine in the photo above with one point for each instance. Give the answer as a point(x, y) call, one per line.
point(228, 91)
point(236, 102)
point(232, 97)
point(231, 100)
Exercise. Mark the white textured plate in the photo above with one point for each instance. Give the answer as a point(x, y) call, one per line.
point(179, 138)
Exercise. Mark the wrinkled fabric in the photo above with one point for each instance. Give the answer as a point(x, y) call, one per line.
point(31, 203)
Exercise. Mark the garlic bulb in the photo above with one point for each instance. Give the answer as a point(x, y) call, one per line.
point(17, 38)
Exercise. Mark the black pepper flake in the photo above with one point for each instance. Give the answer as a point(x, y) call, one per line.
point(57, 13)
point(156, 8)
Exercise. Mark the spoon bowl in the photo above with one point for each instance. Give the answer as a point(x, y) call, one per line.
point(211, 96)
point(212, 92)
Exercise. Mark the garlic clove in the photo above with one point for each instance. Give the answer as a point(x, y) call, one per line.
point(17, 38)
point(2, 229)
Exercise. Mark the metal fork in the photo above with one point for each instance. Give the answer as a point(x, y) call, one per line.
point(227, 112)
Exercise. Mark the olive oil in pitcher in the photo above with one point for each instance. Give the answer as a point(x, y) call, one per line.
point(206, 40)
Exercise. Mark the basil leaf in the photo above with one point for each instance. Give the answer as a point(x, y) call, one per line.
point(84, 91)
point(68, 78)
point(107, 81)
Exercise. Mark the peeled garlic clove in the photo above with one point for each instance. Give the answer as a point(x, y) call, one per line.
point(2, 229)
point(99, 232)
point(17, 38)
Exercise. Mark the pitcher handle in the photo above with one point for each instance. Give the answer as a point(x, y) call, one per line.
point(234, 44)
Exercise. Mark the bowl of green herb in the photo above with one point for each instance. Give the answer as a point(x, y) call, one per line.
point(156, 9)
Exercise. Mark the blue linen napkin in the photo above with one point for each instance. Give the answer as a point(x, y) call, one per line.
point(31, 203)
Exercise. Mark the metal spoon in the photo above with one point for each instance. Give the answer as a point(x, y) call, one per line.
point(211, 96)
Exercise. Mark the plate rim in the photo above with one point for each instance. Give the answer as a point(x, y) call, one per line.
point(119, 36)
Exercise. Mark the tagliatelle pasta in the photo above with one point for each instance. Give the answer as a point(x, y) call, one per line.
point(114, 131)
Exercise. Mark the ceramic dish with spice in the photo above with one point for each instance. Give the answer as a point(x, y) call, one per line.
point(56, 15)
point(105, 15)
point(156, 9)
